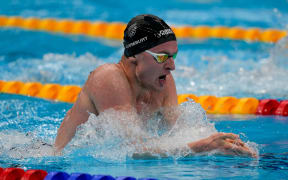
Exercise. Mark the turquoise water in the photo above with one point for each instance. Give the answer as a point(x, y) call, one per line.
point(217, 67)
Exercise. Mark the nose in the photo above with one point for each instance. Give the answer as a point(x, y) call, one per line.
point(170, 64)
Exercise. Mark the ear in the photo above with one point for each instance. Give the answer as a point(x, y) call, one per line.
point(133, 60)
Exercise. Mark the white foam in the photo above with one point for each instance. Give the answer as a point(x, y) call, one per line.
point(112, 136)
point(53, 68)
point(18, 145)
point(115, 135)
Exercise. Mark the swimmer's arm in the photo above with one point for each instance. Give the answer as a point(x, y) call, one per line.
point(222, 143)
point(77, 115)
point(225, 143)
point(65, 133)
point(97, 95)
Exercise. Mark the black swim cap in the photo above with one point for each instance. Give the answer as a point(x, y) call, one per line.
point(144, 32)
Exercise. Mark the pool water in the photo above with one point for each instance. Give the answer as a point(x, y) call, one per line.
point(28, 126)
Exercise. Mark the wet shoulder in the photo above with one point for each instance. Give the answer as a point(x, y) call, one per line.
point(106, 71)
point(107, 75)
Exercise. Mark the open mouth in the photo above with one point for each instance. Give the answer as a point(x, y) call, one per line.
point(163, 77)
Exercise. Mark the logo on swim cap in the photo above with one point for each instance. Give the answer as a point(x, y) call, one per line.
point(132, 30)
point(164, 32)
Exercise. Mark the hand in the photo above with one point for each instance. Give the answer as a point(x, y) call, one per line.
point(226, 143)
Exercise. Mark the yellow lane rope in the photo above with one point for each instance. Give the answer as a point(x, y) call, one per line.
point(69, 93)
point(114, 30)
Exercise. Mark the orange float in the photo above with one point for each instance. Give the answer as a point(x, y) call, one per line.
point(208, 103)
point(47, 25)
point(12, 87)
point(31, 88)
point(49, 91)
point(115, 31)
point(81, 27)
point(224, 105)
point(68, 93)
point(245, 106)
point(201, 32)
point(253, 34)
point(219, 32)
point(236, 33)
point(183, 32)
point(97, 29)
point(14, 22)
point(31, 23)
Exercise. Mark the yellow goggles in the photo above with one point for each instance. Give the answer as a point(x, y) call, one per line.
point(161, 58)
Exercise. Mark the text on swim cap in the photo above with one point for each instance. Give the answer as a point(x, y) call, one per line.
point(164, 32)
point(136, 42)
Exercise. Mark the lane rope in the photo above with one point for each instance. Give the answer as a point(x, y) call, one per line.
point(211, 104)
point(114, 30)
point(36, 174)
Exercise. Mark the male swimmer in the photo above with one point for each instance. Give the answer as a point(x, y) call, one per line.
point(142, 83)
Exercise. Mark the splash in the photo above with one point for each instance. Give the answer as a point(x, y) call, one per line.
point(26, 130)
point(115, 136)
point(112, 137)
point(279, 54)
point(19, 145)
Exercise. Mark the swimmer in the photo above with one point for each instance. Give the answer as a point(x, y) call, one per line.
point(140, 82)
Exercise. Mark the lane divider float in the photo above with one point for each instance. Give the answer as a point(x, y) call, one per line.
point(212, 104)
point(20, 174)
point(114, 30)
point(232, 105)
point(65, 93)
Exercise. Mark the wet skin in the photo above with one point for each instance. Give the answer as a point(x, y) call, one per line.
point(138, 84)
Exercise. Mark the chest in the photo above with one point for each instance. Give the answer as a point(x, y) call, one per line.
point(149, 104)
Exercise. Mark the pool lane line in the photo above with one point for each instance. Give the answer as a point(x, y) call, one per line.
point(114, 30)
point(211, 104)
point(37, 174)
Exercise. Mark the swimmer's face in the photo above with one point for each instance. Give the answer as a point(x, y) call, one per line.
point(153, 75)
